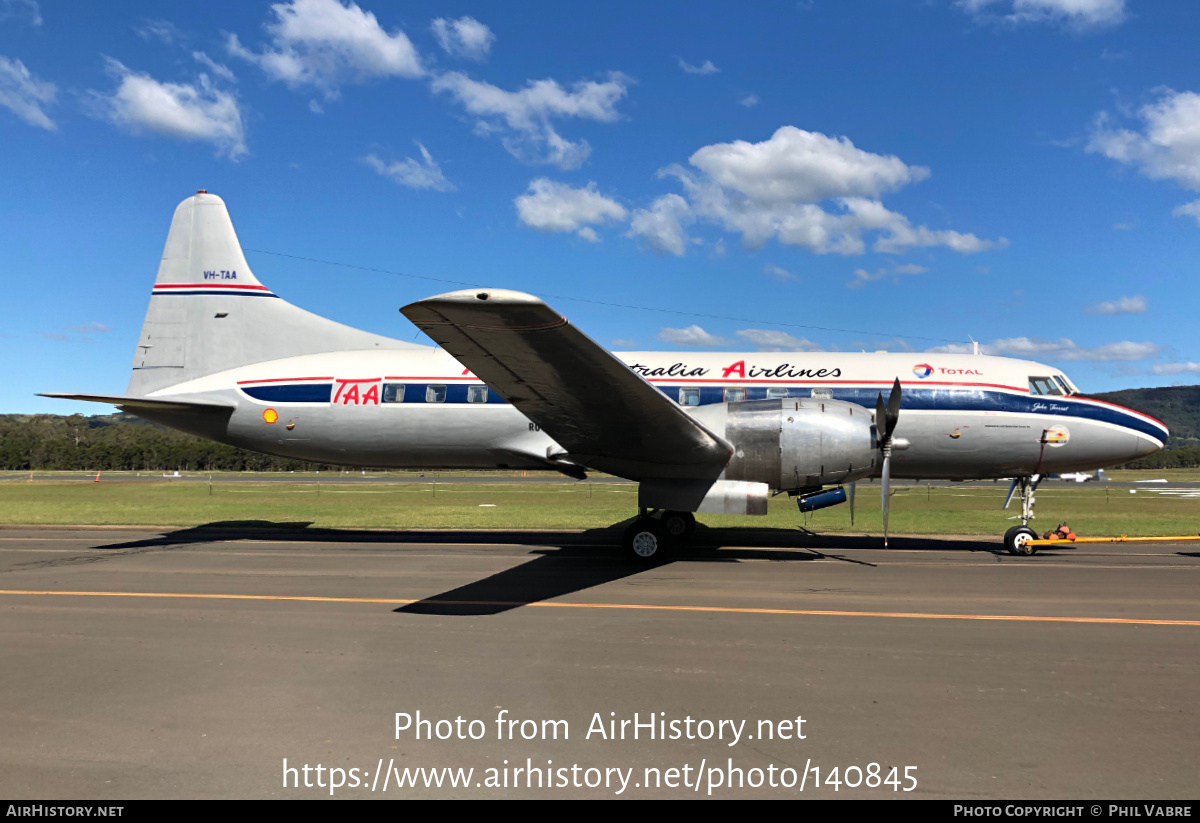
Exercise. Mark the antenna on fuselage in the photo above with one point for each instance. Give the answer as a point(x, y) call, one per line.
point(974, 345)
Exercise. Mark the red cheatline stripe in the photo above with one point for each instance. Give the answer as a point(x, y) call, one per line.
point(208, 286)
point(282, 380)
point(743, 381)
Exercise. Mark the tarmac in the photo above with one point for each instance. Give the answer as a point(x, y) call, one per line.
point(145, 663)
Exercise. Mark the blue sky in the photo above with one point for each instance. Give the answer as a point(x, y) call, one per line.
point(894, 174)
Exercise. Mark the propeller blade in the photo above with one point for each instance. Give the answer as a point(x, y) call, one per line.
point(881, 422)
point(850, 489)
point(893, 407)
point(885, 485)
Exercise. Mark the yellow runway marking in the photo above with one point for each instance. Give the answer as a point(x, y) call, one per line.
point(627, 606)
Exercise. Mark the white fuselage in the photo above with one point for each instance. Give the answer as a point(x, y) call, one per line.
point(962, 416)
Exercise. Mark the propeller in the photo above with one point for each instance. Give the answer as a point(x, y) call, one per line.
point(851, 487)
point(886, 416)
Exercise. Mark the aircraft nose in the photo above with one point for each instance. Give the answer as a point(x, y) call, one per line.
point(1143, 446)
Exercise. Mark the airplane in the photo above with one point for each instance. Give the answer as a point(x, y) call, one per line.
point(513, 385)
point(1082, 477)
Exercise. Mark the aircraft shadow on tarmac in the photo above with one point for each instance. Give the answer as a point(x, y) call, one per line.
point(565, 562)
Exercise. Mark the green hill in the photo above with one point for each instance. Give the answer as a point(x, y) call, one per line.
point(1176, 406)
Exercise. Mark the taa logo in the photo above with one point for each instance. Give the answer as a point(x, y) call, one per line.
point(364, 392)
point(922, 370)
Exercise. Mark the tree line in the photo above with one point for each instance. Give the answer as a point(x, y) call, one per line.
point(122, 442)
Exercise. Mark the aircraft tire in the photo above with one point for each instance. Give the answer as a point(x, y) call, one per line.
point(1016, 540)
point(679, 525)
point(645, 542)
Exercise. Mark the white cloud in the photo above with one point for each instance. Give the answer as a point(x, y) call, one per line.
point(188, 112)
point(1175, 368)
point(1062, 349)
point(748, 100)
point(91, 327)
point(706, 68)
point(661, 227)
point(21, 10)
point(1077, 14)
point(556, 207)
point(323, 43)
point(25, 95)
point(219, 69)
point(1168, 147)
point(416, 174)
point(464, 37)
point(1125, 305)
point(862, 276)
point(774, 189)
point(1191, 209)
point(692, 336)
point(777, 273)
point(771, 340)
point(794, 165)
point(163, 31)
point(1129, 226)
point(524, 117)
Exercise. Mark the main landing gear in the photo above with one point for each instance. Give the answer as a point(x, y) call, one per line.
point(1016, 539)
point(651, 537)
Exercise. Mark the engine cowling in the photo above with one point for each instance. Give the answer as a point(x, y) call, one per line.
point(795, 443)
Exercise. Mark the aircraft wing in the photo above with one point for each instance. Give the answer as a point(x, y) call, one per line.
point(131, 402)
point(604, 415)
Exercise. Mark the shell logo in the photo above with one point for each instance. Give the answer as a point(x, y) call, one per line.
point(1056, 436)
point(922, 370)
point(270, 416)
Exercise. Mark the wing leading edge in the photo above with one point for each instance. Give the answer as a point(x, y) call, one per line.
point(604, 415)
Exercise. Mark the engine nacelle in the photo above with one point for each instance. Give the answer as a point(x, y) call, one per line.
point(795, 443)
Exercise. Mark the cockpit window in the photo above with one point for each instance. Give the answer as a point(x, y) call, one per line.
point(1067, 385)
point(1044, 386)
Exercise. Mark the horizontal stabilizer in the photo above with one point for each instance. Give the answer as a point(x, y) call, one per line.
point(161, 403)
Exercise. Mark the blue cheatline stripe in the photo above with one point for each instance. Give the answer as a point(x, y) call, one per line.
point(949, 400)
point(291, 392)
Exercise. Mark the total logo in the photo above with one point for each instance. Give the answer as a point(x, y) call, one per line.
point(923, 370)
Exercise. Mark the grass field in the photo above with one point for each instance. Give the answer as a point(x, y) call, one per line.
point(1090, 509)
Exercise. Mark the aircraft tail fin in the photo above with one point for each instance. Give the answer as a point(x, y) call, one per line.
point(208, 312)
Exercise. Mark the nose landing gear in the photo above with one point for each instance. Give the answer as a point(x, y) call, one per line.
point(1016, 539)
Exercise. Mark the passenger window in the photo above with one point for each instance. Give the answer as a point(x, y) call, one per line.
point(1044, 386)
point(689, 397)
point(477, 394)
point(393, 392)
point(824, 394)
point(435, 394)
point(775, 394)
point(735, 395)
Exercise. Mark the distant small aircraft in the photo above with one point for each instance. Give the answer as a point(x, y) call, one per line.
point(1082, 477)
point(514, 385)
